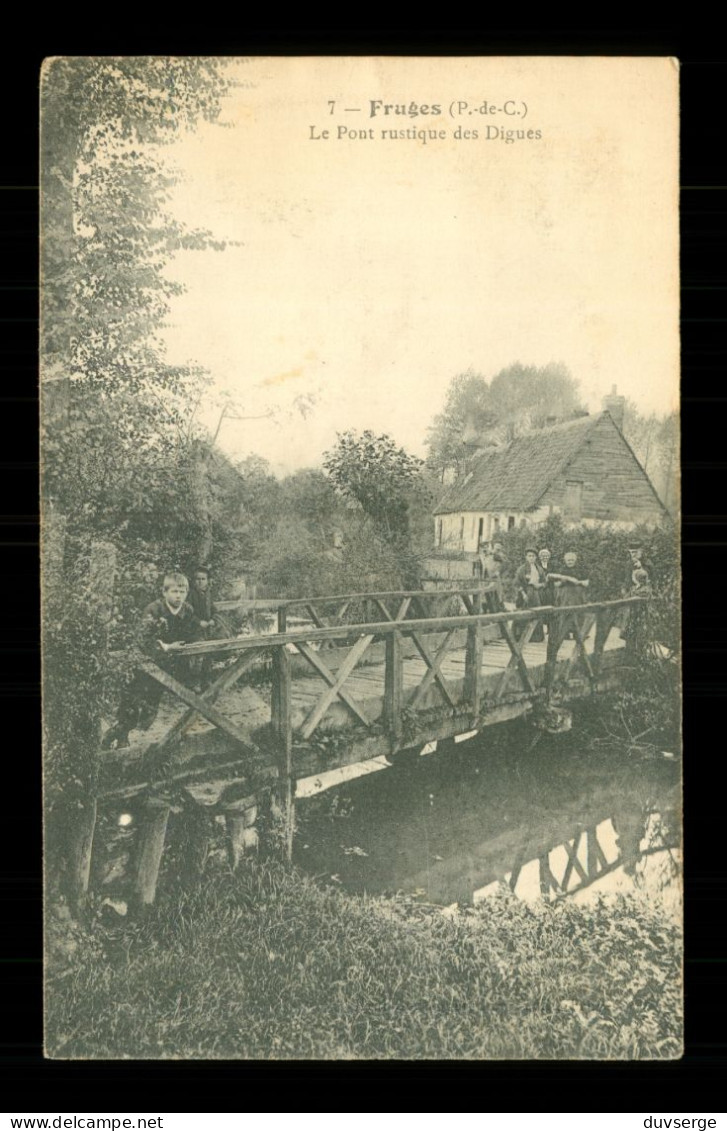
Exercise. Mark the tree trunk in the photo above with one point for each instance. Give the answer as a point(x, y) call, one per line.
point(201, 493)
point(101, 578)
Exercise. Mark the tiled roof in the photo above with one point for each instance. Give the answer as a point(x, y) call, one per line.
point(515, 476)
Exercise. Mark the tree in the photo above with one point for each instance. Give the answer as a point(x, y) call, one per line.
point(94, 109)
point(524, 397)
point(516, 400)
point(380, 477)
point(259, 499)
point(640, 431)
point(310, 496)
point(667, 474)
point(655, 443)
point(115, 412)
point(467, 413)
point(117, 455)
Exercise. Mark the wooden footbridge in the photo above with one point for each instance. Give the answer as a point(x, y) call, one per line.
point(363, 675)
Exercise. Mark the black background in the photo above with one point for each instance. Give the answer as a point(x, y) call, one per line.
point(690, 1085)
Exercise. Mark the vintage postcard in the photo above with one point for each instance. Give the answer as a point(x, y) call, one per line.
point(361, 581)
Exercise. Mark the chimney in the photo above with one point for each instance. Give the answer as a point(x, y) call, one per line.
point(616, 405)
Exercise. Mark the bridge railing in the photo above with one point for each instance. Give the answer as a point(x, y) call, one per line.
point(361, 608)
point(353, 642)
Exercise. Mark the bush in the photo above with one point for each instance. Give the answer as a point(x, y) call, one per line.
point(603, 552)
point(266, 964)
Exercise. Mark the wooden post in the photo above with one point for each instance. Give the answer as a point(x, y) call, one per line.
point(394, 688)
point(592, 848)
point(556, 635)
point(473, 659)
point(242, 836)
point(283, 738)
point(152, 835)
point(80, 853)
point(603, 628)
point(282, 618)
point(101, 580)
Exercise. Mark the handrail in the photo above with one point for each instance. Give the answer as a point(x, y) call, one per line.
point(288, 602)
point(387, 628)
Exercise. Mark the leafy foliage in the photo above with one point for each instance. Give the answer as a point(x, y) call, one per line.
point(380, 477)
point(516, 400)
point(603, 551)
point(266, 964)
point(468, 412)
point(655, 442)
point(119, 430)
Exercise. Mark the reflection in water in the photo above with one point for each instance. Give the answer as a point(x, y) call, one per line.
point(595, 864)
point(550, 822)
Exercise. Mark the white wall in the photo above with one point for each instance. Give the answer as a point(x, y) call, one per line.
point(460, 531)
point(462, 535)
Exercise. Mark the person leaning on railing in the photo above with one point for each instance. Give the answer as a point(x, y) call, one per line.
point(530, 581)
point(570, 583)
point(168, 620)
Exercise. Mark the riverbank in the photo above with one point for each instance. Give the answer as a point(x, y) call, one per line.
point(268, 964)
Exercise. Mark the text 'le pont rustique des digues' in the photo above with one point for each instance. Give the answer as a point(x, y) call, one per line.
point(424, 122)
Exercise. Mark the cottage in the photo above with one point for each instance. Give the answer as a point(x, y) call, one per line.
point(582, 469)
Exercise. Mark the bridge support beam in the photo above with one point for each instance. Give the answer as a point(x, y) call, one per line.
point(152, 836)
point(281, 722)
point(394, 688)
point(473, 659)
point(100, 584)
point(242, 836)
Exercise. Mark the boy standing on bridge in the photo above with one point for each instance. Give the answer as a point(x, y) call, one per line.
point(169, 620)
point(200, 598)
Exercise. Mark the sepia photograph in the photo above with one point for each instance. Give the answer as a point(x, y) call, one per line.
point(361, 594)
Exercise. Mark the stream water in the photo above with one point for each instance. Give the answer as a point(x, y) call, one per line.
point(539, 813)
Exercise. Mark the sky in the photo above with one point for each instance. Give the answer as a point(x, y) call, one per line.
point(366, 271)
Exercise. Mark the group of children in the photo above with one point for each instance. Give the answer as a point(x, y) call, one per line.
point(182, 614)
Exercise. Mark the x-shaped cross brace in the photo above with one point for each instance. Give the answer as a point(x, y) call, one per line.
point(433, 673)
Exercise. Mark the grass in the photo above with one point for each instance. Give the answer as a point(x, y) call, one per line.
point(267, 964)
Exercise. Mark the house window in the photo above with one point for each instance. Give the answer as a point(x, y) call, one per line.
point(461, 529)
point(496, 524)
point(511, 522)
point(439, 532)
point(573, 505)
point(480, 529)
